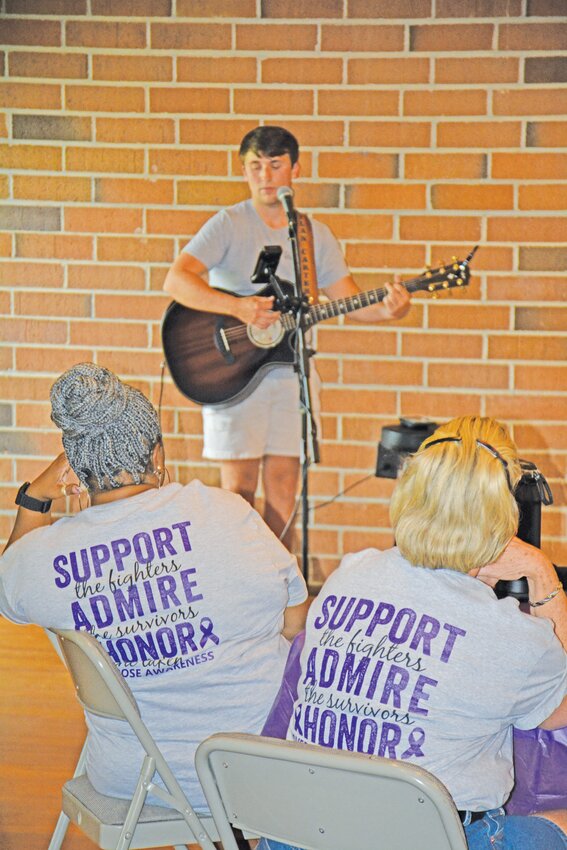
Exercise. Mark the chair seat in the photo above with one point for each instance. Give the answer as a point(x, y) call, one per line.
point(101, 818)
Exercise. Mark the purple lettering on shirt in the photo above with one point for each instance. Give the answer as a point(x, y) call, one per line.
point(427, 628)
point(327, 728)
point(188, 585)
point(182, 527)
point(321, 620)
point(80, 618)
point(167, 586)
point(396, 681)
point(389, 739)
point(361, 612)
point(341, 612)
point(162, 539)
point(79, 576)
point(383, 614)
point(120, 548)
point(100, 554)
point(128, 607)
point(454, 633)
point(310, 671)
point(64, 579)
point(419, 694)
point(410, 617)
point(328, 668)
point(143, 547)
point(100, 607)
point(351, 679)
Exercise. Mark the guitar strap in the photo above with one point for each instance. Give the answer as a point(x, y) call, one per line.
point(307, 258)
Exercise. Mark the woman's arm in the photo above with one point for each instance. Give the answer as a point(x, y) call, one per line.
point(521, 559)
point(50, 484)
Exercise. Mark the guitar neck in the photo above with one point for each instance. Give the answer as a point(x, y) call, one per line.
point(342, 306)
point(456, 273)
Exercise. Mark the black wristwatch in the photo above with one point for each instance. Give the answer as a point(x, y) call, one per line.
point(29, 502)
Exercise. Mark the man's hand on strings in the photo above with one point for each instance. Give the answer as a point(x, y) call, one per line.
point(256, 310)
point(397, 302)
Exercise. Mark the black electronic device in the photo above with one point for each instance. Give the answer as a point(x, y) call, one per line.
point(266, 264)
point(398, 441)
point(531, 493)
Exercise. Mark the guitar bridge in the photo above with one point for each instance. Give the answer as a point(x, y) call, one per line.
point(221, 343)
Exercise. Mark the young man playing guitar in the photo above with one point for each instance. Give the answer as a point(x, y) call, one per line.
point(264, 429)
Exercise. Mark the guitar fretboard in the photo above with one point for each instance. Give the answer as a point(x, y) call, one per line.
point(342, 306)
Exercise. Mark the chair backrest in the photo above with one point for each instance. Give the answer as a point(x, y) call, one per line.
point(322, 799)
point(99, 686)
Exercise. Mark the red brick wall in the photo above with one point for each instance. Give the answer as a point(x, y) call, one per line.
point(426, 127)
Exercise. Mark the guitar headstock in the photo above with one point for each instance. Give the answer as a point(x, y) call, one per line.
point(447, 276)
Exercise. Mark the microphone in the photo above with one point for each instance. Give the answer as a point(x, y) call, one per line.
point(285, 196)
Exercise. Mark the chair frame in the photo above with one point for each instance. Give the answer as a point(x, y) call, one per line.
point(101, 690)
point(322, 799)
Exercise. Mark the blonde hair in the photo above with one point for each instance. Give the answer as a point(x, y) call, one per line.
point(454, 505)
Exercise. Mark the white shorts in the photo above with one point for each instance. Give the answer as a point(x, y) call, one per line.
point(267, 422)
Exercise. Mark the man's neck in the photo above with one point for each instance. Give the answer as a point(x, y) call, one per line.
point(272, 215)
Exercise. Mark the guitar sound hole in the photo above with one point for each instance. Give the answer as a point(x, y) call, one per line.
point(266, 337)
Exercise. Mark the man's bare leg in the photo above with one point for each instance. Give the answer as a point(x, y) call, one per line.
point(241, 476)
point(280, 476)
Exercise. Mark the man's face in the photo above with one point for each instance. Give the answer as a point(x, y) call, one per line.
point(265, 174)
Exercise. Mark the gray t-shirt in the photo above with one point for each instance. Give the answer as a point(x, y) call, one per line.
point(412, 663)
point(228, 244)
point(186, 589)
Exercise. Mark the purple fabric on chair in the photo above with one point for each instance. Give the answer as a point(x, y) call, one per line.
point(540, 766)
point(280, 712)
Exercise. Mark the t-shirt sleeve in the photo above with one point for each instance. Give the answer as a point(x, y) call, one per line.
point(288, 568)
point(273, 550)
point(10, 607)
point(329, 258)
point(210, 244)
point(545, 685)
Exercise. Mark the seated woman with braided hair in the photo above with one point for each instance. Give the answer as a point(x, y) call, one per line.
point(410, 655)
point(184, 586)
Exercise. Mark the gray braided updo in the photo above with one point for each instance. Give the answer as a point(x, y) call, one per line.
point(108, 427)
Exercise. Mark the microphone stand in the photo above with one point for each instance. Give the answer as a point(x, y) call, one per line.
point(309, 442)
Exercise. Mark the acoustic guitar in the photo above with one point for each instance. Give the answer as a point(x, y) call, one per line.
point(217, 360)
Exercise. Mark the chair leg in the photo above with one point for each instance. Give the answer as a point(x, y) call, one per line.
point(59, 832)
point(63, 821)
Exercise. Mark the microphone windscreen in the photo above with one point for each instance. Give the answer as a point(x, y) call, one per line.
point(284, 192)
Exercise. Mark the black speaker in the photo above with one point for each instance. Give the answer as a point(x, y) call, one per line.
point(398, 441)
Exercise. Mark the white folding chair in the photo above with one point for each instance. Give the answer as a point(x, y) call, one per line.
point(322, 799)
point(118, 824)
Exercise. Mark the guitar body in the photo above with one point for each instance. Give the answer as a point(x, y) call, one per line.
point(201, 366)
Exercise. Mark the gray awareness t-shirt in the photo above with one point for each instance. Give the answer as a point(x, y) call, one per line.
point(186, 589)
point(229, 243)
point(426, 665)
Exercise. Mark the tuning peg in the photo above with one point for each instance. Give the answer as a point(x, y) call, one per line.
point(454, 258)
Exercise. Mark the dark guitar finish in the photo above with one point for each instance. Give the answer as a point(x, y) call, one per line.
point(200, 371)
point(213, 361)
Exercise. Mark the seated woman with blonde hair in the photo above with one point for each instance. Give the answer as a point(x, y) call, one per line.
point(410, 655)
